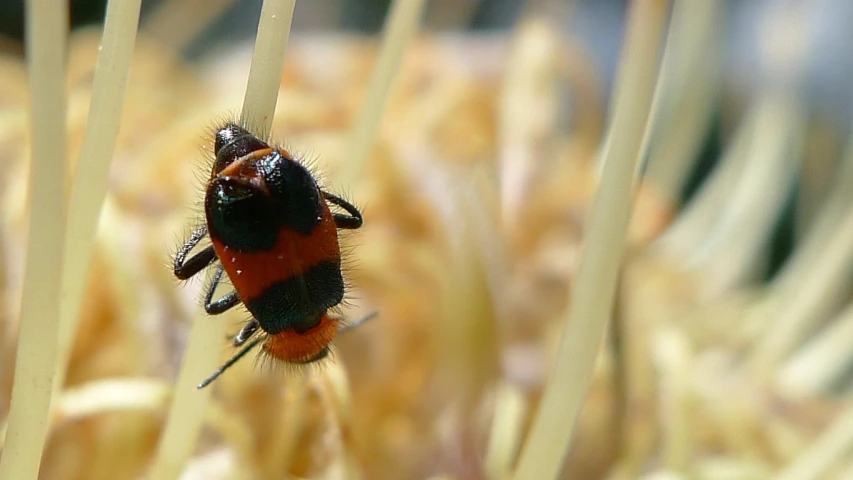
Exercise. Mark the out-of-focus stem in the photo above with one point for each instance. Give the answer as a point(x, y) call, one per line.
point(820, 288)
point(674, 359)
point(187, 411)
point(822, 361)
point(400, 27)
point(89, 186)
point(505, 435)
point(35, 367)
point(686, 94)
point(551, 434)
point(836, 205)
point(697, 219)
point(730, 254)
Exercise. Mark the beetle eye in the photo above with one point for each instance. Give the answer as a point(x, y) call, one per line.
point(240, 216)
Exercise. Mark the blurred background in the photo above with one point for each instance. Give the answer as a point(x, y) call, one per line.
point(730, 353)
point(596, 23)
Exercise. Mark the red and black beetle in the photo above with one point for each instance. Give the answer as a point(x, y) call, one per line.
point(275, 236)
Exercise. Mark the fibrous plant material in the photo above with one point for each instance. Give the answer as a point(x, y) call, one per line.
point(35, 369)
point(593, 293)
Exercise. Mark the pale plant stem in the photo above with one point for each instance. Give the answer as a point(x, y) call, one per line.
point(595, 284)
point(401, 26)
point(337, 387)
point(506, 430)
point(730, 254)
point(35, 367)
point(789, 296)
point(788, 283)
point(822, 361)
point(186, 414)
point(822, 229)
point(674, 359)
point(674, 125)
point(685, 96)
point(808, 306)
point(89, 185)
point(267, 65)
point(699, 216)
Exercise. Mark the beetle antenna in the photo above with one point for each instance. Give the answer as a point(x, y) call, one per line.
point(230, 362)
point(344, 327)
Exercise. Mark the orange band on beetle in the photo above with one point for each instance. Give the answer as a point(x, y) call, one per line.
point(252, 273)
point(293, 347)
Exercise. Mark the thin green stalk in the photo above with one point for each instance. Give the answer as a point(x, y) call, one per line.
point(35, 368)
point(592, 298)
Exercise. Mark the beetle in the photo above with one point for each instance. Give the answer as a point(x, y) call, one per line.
point(274, 235)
